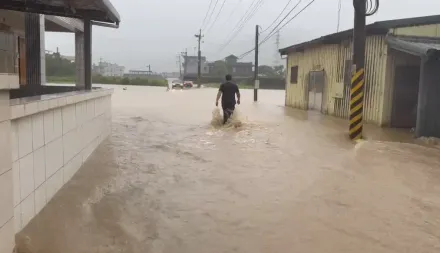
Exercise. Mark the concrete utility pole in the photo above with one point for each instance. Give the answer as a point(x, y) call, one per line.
point(184, 54)
point(357, 80)
point(256, 80)
point(179, 61)
point(149, 69)
point(358, 71)
point(199, 67)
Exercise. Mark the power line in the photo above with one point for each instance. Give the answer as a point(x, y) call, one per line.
point(234, 10)
point(290, 20)
point(216, 18)
point(286, 16)
point(275, 20)
point(271, 34)
point(253, 10)
point(241, 20)
point(207, 12)
point(339, 15)
point(212, 12)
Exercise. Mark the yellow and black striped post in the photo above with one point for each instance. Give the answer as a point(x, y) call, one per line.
point(357, 104)
point(358, 78)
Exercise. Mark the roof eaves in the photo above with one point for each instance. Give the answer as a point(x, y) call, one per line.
point(418, 47)
point(380, 27)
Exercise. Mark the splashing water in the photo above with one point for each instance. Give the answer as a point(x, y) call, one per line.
point(234, 121)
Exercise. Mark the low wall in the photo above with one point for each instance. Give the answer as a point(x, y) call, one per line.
point(266, 83)
point(51, 137)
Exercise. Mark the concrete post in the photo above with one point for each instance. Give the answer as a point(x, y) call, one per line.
point(33, 51)
point(42, 50)
point(79, 60)
point(88, 54)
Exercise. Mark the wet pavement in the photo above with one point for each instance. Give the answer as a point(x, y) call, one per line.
point(167, 181)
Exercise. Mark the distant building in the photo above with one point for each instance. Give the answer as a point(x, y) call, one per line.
point(190, 66)
point(108, 69)
point(69, 58)
point(235, 68)
point(242, 69)
point(148, 74)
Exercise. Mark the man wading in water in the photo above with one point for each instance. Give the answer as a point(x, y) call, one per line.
point(227, 92)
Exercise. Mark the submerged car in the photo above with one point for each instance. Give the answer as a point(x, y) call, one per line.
point(177, 84)
point(188, 84)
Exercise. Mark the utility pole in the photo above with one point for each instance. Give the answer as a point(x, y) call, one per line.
point(358, 77)
point(179, 61)
point(256, 81)
point(277, 46)
point(149, 69)
point(184, 54)
point(199, 67)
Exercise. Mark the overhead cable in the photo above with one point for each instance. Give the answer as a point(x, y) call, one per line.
point(216, 18)
point(273, 33)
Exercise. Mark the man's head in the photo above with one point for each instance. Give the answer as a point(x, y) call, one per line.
point(228, 77)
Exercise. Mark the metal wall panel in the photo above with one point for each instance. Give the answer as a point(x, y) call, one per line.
point(423, 30)
point(332, 60)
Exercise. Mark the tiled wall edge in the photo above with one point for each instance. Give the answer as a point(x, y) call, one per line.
point(22, 110)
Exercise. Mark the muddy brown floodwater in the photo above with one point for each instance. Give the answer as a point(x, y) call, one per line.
point(167, 181)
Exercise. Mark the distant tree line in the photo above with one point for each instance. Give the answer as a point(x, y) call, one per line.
point(61, 70)
point(58, 66)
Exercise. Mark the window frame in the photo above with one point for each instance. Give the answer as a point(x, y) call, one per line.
point(294, 78)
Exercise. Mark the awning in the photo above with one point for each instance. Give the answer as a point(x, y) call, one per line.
point(96, 10)
point(419, 46)
point(62, 24)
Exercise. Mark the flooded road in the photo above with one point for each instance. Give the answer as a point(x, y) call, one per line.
point(167, 181)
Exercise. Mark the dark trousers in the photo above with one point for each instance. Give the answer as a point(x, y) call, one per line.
point(228, 110)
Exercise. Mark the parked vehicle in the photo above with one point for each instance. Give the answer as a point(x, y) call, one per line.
point(176, 84)
point(188, 84)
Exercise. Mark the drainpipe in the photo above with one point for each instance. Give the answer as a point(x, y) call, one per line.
point(103, 24)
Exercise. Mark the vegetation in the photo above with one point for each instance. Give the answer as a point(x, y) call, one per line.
point(276, 71)
point(60, 70)
point(111, 80)
point(59, 67)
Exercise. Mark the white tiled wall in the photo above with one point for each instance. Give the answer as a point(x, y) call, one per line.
point(6, 177)
point(49, 146)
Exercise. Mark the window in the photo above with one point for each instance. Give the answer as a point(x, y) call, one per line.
point(294, 74)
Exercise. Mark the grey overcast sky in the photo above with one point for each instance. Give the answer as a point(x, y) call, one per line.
point(154, 31)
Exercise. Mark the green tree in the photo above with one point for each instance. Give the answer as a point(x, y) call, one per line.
point(279, 70)
point(266, 70)
point(57, 66)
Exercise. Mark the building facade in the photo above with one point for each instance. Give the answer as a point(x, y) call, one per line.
point(190, 66)
point(399, 56)
point(238, 69)
point(108, 69)
point(47, 132)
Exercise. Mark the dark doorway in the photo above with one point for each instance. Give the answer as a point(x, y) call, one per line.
point(405, 96)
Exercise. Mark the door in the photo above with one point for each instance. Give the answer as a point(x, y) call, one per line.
point(316, 90)
point(405, 96)
point(22, 60)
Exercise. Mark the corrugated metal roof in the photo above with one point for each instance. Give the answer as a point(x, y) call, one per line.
point(98, 10)
point(423, 47)
point(70, 24)
point(381, 27)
